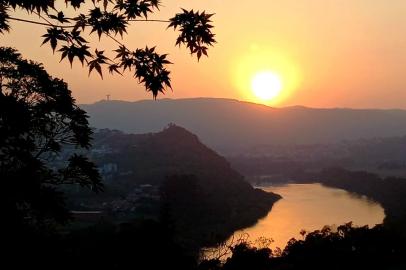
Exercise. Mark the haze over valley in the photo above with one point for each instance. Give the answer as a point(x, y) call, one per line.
point(237, 127)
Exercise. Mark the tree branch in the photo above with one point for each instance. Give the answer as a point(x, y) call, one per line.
point(29, 21)
point(72, 26)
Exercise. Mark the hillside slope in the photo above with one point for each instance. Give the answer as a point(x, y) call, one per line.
point(205, 198)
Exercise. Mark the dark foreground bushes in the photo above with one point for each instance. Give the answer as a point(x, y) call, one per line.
point(346, 248)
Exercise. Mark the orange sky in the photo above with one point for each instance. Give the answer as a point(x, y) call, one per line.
point(328, 53)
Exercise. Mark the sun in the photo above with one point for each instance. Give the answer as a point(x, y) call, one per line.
point(266, 85)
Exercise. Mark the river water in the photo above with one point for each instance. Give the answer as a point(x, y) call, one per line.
point(310, 207)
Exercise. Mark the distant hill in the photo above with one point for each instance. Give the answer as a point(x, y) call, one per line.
point(232, 126)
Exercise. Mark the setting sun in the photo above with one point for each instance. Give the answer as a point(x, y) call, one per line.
point(266, 85)
point(266, 75)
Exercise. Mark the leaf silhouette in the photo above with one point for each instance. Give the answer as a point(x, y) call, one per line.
point(60, 17)
point(195, 31)
point(99, 59)
point(114, 68)
point(73, 51)
point(52, 36)
point(75, 3)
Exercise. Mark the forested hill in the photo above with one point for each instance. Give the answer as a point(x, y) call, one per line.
point(207, 199)
point(152, 156)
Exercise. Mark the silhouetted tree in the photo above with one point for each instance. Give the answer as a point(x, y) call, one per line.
point(109, 18)
point(38, 118)
point(347, 247)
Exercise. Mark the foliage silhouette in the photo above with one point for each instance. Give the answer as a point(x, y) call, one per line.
point(111, 18)
point(38, 118)
point(142, 244)
point(347, 247)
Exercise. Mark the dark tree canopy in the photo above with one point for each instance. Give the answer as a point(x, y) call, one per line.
point(38, 118)
point(347, 247)
point(111, 18)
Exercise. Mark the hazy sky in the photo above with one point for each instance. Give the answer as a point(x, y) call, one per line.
point(328, 53)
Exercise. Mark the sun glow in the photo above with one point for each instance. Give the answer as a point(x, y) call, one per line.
point(266, 85)
point(266, 75)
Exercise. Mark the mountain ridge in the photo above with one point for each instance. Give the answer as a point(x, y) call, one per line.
point(241, 101)
point(229, 125)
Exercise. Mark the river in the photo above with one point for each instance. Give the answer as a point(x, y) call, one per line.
point(310, 207)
